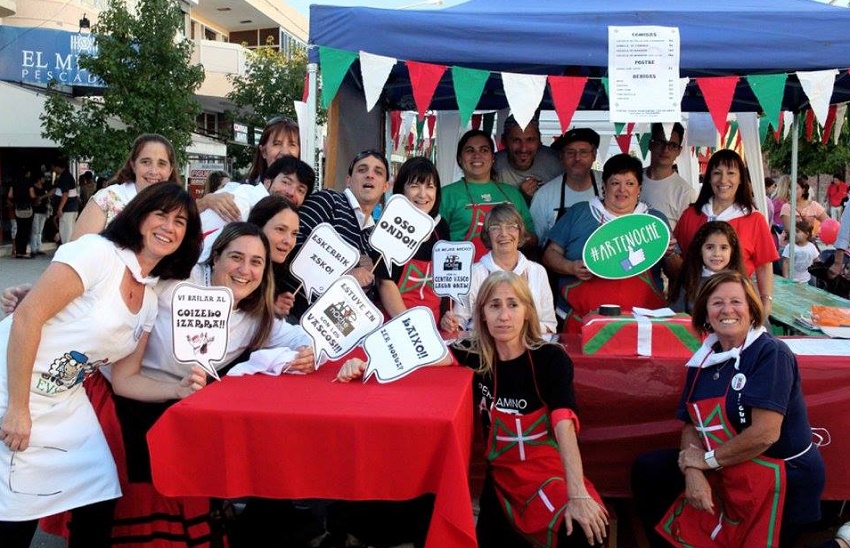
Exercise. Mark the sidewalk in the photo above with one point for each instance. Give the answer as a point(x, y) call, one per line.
point(6, 248)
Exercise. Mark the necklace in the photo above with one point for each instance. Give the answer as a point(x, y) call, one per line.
point(718, 370)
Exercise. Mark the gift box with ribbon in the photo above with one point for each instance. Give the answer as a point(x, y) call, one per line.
point(639, 336)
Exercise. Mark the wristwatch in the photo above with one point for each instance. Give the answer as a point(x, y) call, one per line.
point(711, 461)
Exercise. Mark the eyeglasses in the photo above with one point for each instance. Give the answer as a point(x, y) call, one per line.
point(281, 119)
point(582, 154)
point(504, 228)
point(669, 145)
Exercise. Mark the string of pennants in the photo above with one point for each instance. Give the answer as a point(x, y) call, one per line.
point(524, 92)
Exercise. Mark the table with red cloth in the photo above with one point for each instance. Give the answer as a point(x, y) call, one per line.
point(628, 404)
point(303, 436)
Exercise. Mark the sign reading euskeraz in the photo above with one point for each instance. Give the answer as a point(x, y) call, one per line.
point(627, 246)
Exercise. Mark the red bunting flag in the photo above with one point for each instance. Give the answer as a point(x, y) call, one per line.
point(476, 121)
point(424, 78)
point(306, 88)
point(395, 126)
point(778, 132)
point(810, 124)
point(432, 121)
point(566, 94)
point(830, 121)
point(624, 139)
point(718, 93)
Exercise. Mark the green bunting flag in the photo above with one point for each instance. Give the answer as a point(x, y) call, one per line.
point(334, 64)
point(764, 125)
point(618, 127)
point(605, 85)
point(643, 140)
point(732, 134)
point(769, 89)
point(469, 85)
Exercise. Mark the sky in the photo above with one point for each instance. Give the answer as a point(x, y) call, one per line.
point(303, 6)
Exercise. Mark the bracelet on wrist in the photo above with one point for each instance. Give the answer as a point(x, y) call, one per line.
point(582, 498)
point(711, 460)
point(768, 297)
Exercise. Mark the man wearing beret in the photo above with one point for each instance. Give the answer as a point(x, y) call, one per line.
point(579, 183)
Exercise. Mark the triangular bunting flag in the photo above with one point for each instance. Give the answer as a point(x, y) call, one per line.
point(830, 121)
point(420, 130)
point(731, 134)
point(424, 78)
point(524, 93)
point(469, 85)
point(764, 126)
point(618, 127)
point(840, 115)
point(476, 121)
point(643, 141)
point(432, 121)
point(668, 129)
point(625, 139)
point(375, 70)
point(395, 127)
point(566, 94)
point(604, 80)
point(769, 90)
point(334, 64)
point(718, 93)
point(818, 86)
point(778, 130)
point(683, 87)
point(788, 121)
point(810, 124)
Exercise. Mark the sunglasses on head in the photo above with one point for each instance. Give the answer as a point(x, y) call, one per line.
point(281, 119)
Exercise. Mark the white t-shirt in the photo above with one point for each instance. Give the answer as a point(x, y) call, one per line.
point(546, 202)
point(671, 196)
point(159, 362)
point(804, 256)
point(546, 166)
point(245, 195)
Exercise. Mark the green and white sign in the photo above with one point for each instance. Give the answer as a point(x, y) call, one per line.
point(627, 246)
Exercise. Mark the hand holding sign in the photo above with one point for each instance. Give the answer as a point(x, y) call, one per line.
point(323, 258)
point(627, 246)
point(199, 321)
point(340, 318)
point(402, 345)
point(401, 230)
point(453, 268)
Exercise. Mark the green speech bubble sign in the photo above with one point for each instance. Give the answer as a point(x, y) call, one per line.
point(627, 246)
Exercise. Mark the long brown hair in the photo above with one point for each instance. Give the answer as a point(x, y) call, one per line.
point(127, 175)
point(260, 303)
point(482, 339)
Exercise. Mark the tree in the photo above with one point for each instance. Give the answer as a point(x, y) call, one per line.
point(144, 61)
point(813, 157)
point(269, 88)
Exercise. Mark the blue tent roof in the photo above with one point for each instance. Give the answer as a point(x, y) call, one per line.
point(570, 37)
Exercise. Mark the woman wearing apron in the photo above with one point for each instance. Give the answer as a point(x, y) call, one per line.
point(467, 201)
point(751, 475)
point(535, 492)
point(90, 307)
point(579, 291)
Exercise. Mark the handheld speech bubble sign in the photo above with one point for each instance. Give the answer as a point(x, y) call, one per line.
point(340, 318)
point(404, 344)
point(323, 258)
point(401, 230)
point(627, 246)
point(199, 320)
point(453, 268)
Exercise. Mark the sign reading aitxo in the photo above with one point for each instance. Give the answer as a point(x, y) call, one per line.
point(627, 246)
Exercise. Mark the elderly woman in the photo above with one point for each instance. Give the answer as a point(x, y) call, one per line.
point(94, 305)
point(535, 494)
point(746, 461)
point(504, 233)
point(728, 196)
point(467, 201)
point(579, 291)
point(412, 285)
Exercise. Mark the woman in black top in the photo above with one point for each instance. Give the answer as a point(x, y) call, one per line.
point(22, 195)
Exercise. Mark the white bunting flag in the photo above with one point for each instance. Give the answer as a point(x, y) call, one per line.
point(375, 70)
point(818, 85)
point(524, 93)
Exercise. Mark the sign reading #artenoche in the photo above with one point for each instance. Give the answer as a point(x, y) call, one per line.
point(627, 246)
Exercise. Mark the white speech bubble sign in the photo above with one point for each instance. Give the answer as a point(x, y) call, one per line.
point(401, 230)
point(339, 319)
point(403, 345)
point(199, 324)
point(453, 268)
point(323, 258)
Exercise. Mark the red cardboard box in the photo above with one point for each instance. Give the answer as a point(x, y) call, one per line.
point(671, 337)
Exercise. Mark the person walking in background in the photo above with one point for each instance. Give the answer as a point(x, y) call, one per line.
point(66, 198)
point(22, 195)
point(836, 195)
point(39, 214)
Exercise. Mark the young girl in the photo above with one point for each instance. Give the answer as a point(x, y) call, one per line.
point(715, 248)
point(805, 253)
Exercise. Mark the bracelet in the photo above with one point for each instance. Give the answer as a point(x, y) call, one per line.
point(711, 460)
point(768, 297)
point(582, 498)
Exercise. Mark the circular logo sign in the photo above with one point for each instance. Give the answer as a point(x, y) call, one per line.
point(627, 246)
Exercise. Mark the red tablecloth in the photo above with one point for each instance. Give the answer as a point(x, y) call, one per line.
point(628, 404)
point(307, 437)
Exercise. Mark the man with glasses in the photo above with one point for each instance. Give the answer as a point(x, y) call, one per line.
point(577, 148)
point(663, 188)
point(525, 162)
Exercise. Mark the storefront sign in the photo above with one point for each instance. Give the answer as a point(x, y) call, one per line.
point(37, 56)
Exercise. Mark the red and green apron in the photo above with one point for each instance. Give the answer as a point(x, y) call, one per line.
point(416, 285)
point(527, 472)
point(479, 211)
point(585, 296)
point(748, 497)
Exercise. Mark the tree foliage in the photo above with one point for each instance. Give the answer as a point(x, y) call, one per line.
point(813, 157)
point(269, 88)
point(144, 61)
